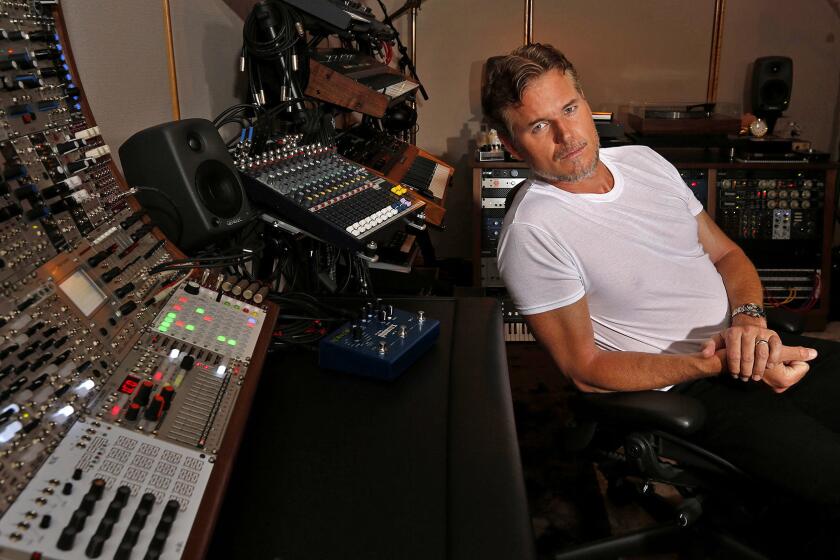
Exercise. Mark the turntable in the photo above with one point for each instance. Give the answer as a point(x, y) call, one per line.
point(682, 119)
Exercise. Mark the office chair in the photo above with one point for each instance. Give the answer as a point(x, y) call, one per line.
point(639, 439)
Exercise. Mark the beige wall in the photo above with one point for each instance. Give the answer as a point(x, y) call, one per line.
point(650, 50)
point(120, 50)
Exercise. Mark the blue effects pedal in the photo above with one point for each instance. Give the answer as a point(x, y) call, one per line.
point(382, 344)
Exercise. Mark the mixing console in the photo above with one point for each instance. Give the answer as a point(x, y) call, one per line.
point(326, 195)
point(119, 384)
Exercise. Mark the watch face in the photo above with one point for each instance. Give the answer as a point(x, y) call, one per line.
point(758, 128)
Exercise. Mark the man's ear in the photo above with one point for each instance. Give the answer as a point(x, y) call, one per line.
point(509, 146)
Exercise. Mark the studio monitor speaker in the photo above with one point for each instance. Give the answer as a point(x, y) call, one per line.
point(771, 85)
point(186, 181)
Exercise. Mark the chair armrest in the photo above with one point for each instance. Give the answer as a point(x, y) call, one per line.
point(658, 410)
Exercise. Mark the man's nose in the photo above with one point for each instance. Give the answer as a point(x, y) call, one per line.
point(561, 132)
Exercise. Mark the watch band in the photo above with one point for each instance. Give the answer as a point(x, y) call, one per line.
point(751, 309)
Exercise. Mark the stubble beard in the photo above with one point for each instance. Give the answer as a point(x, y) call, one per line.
point(577, 175)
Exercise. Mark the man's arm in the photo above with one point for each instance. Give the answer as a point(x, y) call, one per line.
point(745, 358)
point(567, 334)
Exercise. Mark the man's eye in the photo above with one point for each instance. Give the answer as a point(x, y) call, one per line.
point(538, 127)
point(570, 110)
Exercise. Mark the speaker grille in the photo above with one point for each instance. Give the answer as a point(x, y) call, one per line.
point(219, 189)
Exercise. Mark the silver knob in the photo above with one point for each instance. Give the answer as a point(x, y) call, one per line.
point(382, 346)
point(421, 316)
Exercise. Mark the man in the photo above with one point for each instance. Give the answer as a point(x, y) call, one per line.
point(630, 285)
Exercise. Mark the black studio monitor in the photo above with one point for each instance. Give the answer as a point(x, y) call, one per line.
point(772, 83)
point(187, 182)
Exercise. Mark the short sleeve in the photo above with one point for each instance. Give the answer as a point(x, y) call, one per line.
point(685, 192)
point(538, 272)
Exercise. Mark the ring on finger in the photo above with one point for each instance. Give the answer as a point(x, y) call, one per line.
point(761, 341)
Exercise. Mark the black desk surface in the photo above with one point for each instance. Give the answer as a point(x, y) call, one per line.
point(424, 467)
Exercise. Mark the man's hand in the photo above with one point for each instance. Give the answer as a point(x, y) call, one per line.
point(786, 375)
point(751, 347)
point(788, 370)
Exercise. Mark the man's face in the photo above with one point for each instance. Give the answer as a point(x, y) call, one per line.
point(553, 130)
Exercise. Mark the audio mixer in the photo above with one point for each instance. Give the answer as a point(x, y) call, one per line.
point(123, 390)
point(326, 195)
point(776, 216)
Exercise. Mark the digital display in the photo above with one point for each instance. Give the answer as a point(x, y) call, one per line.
point(82, 292)
point(129, 384)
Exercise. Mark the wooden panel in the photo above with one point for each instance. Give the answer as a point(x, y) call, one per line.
point(333, 87)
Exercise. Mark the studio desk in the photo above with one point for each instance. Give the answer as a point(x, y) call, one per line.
point(424, 467)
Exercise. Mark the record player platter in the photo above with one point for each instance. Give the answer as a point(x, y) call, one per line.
point(697, 111)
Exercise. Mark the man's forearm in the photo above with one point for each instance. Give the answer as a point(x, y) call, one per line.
point(638, 371)
point(740, 278)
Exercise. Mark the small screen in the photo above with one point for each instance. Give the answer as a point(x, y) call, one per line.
point(82, 292)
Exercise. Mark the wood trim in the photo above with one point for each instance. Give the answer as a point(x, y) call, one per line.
point(714, 54)
point(529, 22)
point(170, 59)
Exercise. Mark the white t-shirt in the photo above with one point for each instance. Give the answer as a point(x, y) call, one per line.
point(634, 252)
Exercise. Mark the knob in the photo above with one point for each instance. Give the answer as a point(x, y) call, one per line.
point(357, 332)
point(105, 528)
point(147, 500)
point(113, 511)
point(122, 495)
point(77, 520)
point(383, 346)
point(421, 316)
point(155, 408)
point(132, 412)
point(144, 392)
point(382, 315)
point(66, 539)
point(403, 331)
point(172, 507)
point(97, 488)
point(192, 288)
point(167, 393)
point(88, 501)
point(68, 488)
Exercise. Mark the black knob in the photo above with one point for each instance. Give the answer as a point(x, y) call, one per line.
point(131, 535)
point(132, 412)
point(88, 502)
point(124, 290)
point(77, 520)
point(68, 488)
point(167, 393)
point(166, 521)
point(113, 511)
point(123, 551)
point(192, 288)
point(97, 488)
point(147, 500)
point(144, 392)
point(122, 495)
point(94, 547)
point(77, 474)
point(159, 539)
point(106, 526)
point(155, 408)
point(187, 362)
point(46, 521)
point(66, 539)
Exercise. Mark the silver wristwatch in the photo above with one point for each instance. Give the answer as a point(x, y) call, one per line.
point(751, 309)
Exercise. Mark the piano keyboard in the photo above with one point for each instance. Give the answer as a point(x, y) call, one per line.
point(428, 176)
point(517, 332)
